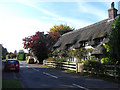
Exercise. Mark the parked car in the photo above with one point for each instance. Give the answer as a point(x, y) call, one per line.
point(30, 61)
point(11, 64)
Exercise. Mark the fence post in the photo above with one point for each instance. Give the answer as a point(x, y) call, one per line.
point(76, 67)
point(115, 71)
point(67, 65)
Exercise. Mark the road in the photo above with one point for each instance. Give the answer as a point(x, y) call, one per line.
point(36, 76)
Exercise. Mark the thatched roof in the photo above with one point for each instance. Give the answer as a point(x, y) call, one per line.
point(89, 33)
point(100, 49)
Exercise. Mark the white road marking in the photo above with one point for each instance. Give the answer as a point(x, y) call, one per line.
point(50, 75)
point(27, 66)
point(31, 67)
point(80, 86)
point(35, 69)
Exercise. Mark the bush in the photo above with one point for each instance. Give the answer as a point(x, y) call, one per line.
point(7, 56)
point(57, 59)
point(62, 60)
point(94, 66)
point(21, 56)
point(106, 61)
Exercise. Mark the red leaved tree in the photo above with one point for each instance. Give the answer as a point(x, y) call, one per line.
point(40, 44)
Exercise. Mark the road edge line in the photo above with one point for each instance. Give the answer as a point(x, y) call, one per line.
point(50, 75)
point(80, 86)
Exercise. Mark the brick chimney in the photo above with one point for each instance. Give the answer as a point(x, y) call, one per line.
point(112, 12)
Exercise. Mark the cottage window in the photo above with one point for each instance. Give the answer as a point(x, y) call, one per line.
point(71, 59)
point(83, 44)
point(98, 41)
point(68, 46)
point(86, 43)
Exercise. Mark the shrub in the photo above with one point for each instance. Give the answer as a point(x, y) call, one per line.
point(21, 56)
point(57, 59)
point(106, 61)
point(49, 59)
point(94, 66)
point(7, 56)
point(63, 59)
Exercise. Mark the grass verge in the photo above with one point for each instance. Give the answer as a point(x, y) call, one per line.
point(101, 77)
point(11, 83)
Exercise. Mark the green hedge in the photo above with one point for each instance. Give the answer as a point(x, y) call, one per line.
point(94, 66)
point(21, 56)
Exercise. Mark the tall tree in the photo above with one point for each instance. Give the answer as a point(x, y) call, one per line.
point(114, 42)
point(61, 29)
point(40, 44)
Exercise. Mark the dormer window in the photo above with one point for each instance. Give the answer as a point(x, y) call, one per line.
point(98, 41)
point(84, 43)
point(68, 46)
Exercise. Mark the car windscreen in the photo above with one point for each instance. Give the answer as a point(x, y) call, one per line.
point(12, 61)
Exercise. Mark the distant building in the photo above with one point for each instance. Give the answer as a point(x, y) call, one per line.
point(92, 36)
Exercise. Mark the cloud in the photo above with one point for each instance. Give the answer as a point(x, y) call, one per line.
point(54, 17)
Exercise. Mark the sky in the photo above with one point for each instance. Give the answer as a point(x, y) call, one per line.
point(22, 18)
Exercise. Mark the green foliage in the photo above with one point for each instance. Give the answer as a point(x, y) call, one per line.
point(21, 56)
point(63, 53)
point(50, 59)
point(7, 56)
point(106, 61)
point(57, 59)
point(71, 52)
point(62, 60)
point(114, 42)
point(107, 47)
point(93, 66)
point(12, 55)
point(55, 53)
point(79, 53)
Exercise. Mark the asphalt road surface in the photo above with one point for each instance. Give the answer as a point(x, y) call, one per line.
point(36, 76)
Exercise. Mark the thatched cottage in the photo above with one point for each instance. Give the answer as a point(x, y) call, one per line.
point(92, 36)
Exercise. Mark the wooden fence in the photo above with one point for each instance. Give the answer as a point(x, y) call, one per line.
point(110, 70)
point(62, 65)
